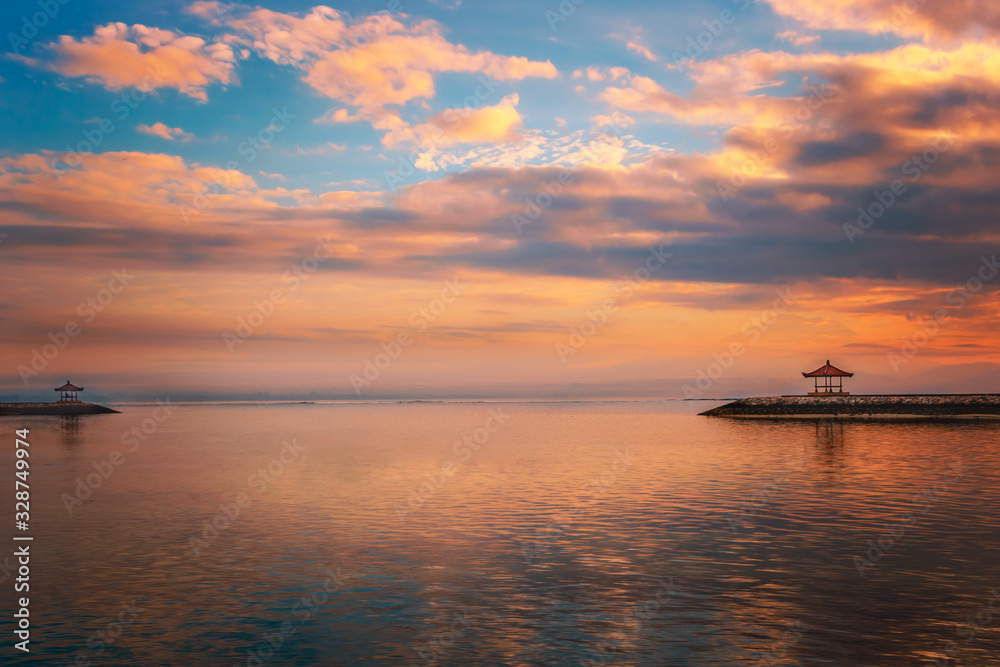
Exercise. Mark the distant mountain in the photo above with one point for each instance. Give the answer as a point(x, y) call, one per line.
point(972, 378)
point(980, 377)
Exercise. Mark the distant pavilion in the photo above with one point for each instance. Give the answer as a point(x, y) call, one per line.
point(828, 387)
point(68, 393)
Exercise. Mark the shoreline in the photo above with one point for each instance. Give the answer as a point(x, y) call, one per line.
point(903, 407)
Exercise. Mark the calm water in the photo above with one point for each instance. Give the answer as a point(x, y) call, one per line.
point(631, 533)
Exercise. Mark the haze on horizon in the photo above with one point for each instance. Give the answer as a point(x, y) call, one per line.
point(438, 197)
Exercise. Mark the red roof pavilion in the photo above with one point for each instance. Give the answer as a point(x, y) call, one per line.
point(828, 372)
point(67, 392)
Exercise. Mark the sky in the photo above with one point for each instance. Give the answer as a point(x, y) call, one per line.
point(429, 197)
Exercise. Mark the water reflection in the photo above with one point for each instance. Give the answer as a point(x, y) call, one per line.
point(69, 431)
point(448, 584)
point(830, 441)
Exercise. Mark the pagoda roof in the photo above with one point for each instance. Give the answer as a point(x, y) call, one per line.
point(68, 387)
point(828, 371)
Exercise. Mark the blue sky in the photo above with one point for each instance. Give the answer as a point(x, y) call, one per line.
point(47, 110)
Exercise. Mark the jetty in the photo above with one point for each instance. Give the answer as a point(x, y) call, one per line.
point(69, 404)
point(11, 409)
point(828, 400)
point(875, 406)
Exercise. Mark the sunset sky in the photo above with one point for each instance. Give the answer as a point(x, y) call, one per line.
point(236, 198)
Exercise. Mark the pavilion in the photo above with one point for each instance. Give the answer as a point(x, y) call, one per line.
point(67, 393)
point(828, 387)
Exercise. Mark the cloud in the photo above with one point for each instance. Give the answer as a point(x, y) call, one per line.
point(160, 130)
point(117, 56)
point(632, 39)
point(399, 68)
point(918, 18)
point(641, 50)
point(616, 119)
point(322, 149)
point(797, 39)
point(500, 123)
point(643, 94)
point(497, 124)
point(601, 148)
point(126, 206)
point(913, 91)
point(371, 64)
point(802, 180)
point(284, 38)
point(810, 138)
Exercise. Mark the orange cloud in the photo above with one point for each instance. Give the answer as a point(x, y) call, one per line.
point(160, 130)
point(282, 38)
point(370, 64)
point(909, 95)
point(641, 50)
point(797, 39)
point(615, 119)
point(397, 68)
point(642, 94)
point(120, 209)
point(117, 56)
point(498, 124)
point(784, 225)
point(322, 149)
point(920, 18)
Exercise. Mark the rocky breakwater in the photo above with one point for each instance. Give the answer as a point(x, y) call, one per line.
point(903, 406)
point(58, 409)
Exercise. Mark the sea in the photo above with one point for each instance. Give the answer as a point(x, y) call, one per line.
point(423, 533)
